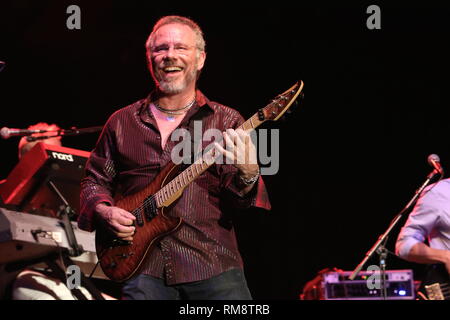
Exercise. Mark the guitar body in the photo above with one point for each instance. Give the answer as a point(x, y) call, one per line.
point(436, 284)
point(120, 260)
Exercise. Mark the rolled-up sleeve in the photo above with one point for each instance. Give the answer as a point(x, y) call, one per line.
point(256, 197)
point(98, 184)
point(421, 221)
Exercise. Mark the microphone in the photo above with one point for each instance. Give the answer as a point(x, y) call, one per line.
point(434, 161)
point(7, 133)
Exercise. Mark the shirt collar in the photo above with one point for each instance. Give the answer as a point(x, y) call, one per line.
point(201, 102)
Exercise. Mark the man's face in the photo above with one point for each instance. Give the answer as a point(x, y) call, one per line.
point(175, 59)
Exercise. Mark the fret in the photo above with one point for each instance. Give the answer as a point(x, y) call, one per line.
point(196, 168)
point(255, 121)
point(258, 122)
point(160, 198)
point(156, 199)
point(180, 176)
point(194, 172)
point(171, 188)
point(165, 194)
point(189, 173)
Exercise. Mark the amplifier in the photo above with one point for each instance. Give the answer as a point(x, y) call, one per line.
point(366, 286)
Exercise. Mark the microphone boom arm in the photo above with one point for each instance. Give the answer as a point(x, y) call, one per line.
point(66, 132)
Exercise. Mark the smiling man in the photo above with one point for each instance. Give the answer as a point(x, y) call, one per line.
point(201, 259)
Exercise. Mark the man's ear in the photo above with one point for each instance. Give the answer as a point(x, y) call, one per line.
point(201, 60)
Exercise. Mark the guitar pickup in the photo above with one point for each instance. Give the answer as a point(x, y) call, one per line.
point(139, 218)
point(149, 208)
point(120, 242)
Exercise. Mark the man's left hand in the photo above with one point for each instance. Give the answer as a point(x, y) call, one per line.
point(240, 151)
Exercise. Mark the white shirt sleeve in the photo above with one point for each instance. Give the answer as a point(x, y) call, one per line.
point(422, 220)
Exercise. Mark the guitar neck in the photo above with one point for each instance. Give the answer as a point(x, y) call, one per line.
point(172, 190)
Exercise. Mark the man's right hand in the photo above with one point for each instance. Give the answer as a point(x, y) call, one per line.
point(119, 221)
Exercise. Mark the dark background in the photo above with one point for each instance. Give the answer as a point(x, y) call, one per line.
point(351, 156)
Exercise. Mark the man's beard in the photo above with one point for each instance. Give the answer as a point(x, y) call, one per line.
point(177, 85)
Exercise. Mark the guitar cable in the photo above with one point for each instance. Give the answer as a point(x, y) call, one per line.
point(93, 270)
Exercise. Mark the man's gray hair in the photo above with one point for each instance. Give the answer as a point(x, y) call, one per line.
point(200, 41)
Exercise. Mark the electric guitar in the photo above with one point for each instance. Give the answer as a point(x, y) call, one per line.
point(436, 284)
point(120, 259)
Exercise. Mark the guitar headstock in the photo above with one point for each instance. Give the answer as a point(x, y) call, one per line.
point(274, 110)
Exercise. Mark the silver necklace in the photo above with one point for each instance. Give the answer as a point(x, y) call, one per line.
point(172, 112)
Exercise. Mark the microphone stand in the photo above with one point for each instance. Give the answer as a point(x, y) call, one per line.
point(66, 213)
point(66, 132)
point(379, 246)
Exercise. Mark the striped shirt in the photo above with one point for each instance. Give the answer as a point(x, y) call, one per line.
point(128, 156)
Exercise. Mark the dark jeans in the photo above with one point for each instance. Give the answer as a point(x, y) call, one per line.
point(230, 285)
